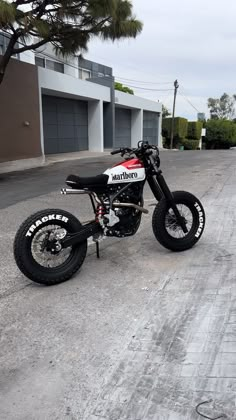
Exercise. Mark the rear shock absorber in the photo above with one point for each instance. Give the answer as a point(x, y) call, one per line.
point(100, 214)
point(99, 217)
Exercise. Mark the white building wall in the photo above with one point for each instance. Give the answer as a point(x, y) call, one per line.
point(136, 126)
point(71, 67)
point(27, 57)
point(58, 84)
point(95, 126)
point(63, 85)
point(132, 101)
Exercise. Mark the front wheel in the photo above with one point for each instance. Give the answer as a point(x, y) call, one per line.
point(37, 248)
point(166, 228)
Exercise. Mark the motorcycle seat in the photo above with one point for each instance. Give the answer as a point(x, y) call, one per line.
point(90, 183)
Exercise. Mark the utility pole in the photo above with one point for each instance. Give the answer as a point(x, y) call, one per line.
point(176, 85)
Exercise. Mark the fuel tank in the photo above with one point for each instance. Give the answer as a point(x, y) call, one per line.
point(131, 170)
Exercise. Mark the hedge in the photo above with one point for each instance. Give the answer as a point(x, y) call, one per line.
point(220, 134)
point(189, 144)
point(194, 130)
point(180, 127)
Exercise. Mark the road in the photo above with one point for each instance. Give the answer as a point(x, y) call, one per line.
point(142, 333)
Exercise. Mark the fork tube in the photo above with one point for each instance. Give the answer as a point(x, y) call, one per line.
point(169, 196)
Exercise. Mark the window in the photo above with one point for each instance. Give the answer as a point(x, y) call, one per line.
point(54, 65)
point(40, 61)
point(84, 74)
point(49, 64)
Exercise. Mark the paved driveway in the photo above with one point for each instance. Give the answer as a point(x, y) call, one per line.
point(141, 334)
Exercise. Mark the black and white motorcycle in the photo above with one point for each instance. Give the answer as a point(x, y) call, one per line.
point(51, 245)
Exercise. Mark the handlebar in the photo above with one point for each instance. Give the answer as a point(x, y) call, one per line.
point(115, 152)
point(143, 148)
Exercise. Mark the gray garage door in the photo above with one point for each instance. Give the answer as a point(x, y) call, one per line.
point(150, 127)
point(65, 124)
point(123, 127)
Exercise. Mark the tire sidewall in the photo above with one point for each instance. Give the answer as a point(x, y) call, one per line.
point(198, 225)
point(30, 228)
point(195, 206)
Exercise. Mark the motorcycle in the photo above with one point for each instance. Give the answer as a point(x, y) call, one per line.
point(51, 245)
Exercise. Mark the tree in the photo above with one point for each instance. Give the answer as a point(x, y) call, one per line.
point(68, 25)
point(165, 112)
point(222, 108)
point(122, 88)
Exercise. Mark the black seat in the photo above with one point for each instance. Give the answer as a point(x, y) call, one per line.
point(93, 183)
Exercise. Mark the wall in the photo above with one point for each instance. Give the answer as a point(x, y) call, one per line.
point(151, 121)
point(58, 84)
point(95, 68)
point(132, 101)
point(70, 62)
point(19, 103)
point(108, 111)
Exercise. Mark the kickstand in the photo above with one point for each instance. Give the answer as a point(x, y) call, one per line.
point(97, 249)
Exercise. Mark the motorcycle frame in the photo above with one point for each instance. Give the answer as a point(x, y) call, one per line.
point(157, 184)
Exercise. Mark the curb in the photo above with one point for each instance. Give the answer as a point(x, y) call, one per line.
point(41, 162)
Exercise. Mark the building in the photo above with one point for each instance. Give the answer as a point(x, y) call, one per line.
point(201, 116)
point(50, 106)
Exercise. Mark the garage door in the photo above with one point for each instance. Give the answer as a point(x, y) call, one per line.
point(122, 127)
point(65, 125)
point(150, 127)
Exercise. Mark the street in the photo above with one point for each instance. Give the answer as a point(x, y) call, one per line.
point(142, 333)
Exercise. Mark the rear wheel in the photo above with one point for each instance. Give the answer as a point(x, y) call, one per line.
point(37, 248)
point(166, 227)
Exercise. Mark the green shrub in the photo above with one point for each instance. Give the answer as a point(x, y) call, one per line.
point(164, 142)
point(122, 88)
point(181, 126)
point(167, 142)
point(189, 144)
point(180, 129)
point(194, 130)
point(166, 127)
point(220, 134)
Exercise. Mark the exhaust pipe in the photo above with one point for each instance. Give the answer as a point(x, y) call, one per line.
point(128, 205)
point(65, 191)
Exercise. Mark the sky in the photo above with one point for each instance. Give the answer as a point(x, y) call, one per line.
point(193, 41)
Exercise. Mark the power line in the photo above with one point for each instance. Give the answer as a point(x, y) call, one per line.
point(109, 77)
point(144, 82)
point(47, 55)
point(190, 103)
point(132, 86)
point(150, 89)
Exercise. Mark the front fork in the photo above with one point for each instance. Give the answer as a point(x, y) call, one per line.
point(169, 196)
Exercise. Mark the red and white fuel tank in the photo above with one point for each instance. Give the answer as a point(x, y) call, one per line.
point(128, 171)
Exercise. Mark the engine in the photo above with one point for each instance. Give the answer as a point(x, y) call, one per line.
point(128, 219)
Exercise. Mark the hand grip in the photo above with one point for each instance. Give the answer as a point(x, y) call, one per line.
point(115, 152)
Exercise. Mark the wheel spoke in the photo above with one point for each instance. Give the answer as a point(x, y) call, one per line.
point(173, 227)
point(45, 257)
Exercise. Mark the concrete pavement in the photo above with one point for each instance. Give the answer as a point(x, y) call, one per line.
point(142, 334)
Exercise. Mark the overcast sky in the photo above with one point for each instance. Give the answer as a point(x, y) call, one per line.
point(191, 40)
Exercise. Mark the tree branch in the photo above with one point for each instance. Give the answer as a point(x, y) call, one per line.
point(31, 46)
point(6, 57)
point(21, 2)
